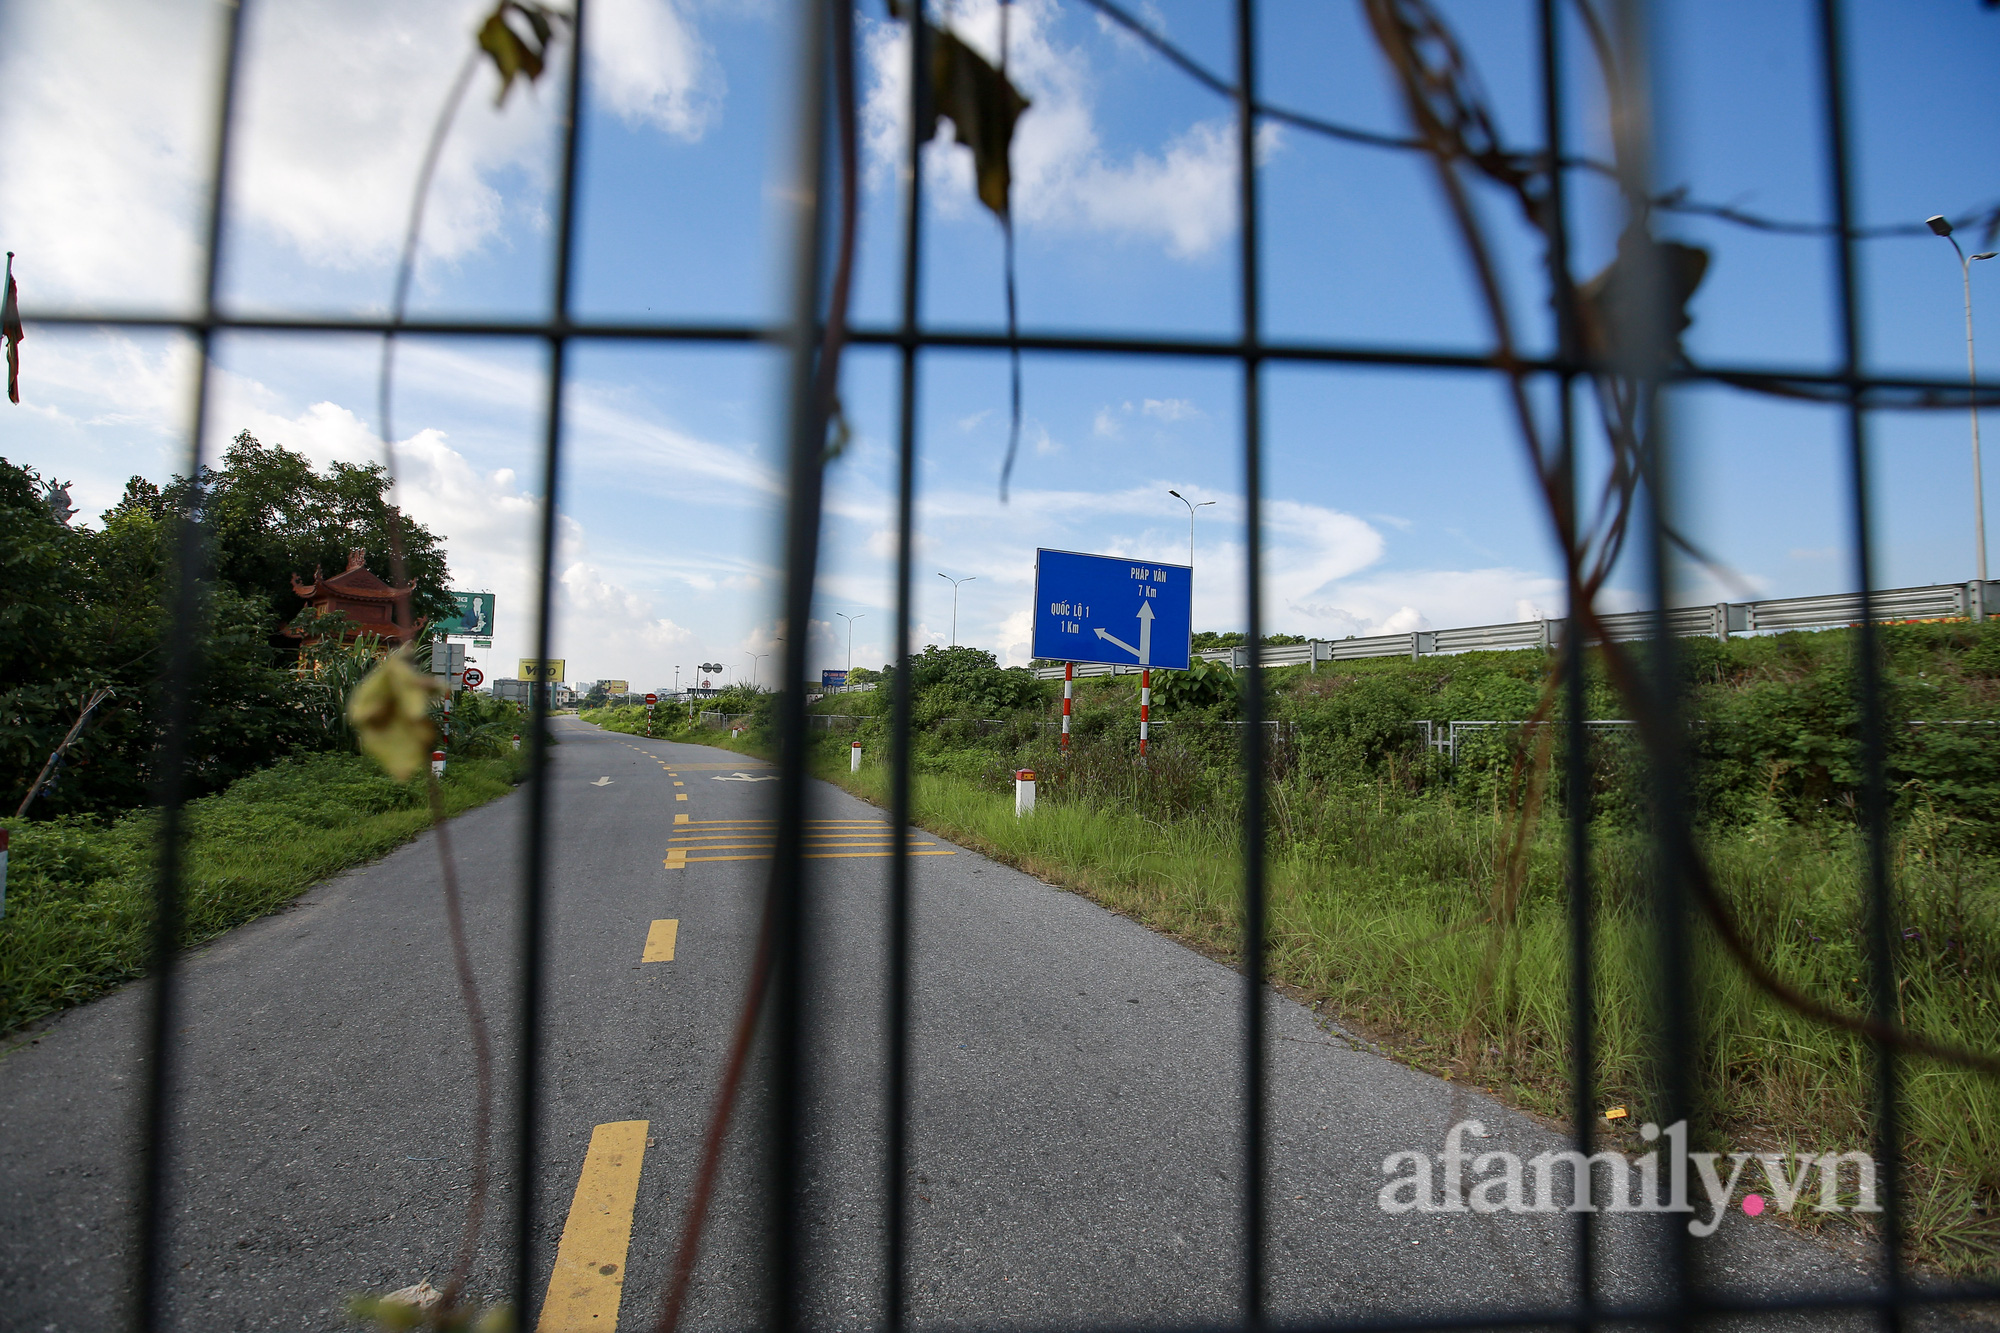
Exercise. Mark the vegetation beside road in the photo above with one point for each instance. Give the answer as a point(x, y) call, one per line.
point(80, 891)
point(1389, 898)
point(85, 608)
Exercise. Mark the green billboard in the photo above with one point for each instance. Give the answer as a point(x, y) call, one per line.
point(475, 615)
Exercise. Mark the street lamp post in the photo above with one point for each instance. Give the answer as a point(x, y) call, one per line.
point(1942, 227)
point(954, 601)
point(1192, 506)
point(850, 642)
point(755, 660)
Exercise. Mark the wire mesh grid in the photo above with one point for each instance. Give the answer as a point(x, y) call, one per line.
point(825, 28)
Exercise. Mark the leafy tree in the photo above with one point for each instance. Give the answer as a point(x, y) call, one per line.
point(83, 609)
point(961, 680)
point(269, 515)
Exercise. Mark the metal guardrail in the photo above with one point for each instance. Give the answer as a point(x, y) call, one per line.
point(1937, 601)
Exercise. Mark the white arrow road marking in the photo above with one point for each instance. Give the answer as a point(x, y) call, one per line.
point(745, 777)
point(602, 782)
point(1144, 652)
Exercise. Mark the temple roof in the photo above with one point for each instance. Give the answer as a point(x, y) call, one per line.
point(355, 583)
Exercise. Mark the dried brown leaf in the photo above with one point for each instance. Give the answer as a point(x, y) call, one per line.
point(982, 106)
point(390, 712)
point(513, 53)
point(1611, 302)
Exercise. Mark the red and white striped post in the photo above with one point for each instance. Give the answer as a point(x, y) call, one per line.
point(1145, 705)
point(1069, 675)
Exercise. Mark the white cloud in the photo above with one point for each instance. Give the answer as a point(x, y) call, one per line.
point(1183, 195)
point(649, 65)
point(1106, 424)
point(104, 118)
point(1170, 409)
point(105, 126)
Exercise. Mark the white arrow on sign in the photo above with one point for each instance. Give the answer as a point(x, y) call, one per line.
point(1144, 652)
point(602, 782)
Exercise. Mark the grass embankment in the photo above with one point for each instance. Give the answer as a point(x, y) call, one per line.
point(1385, 911)
point(80, 891)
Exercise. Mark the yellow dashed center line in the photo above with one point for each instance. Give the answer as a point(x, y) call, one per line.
point(660, 940)
point(589, 1274)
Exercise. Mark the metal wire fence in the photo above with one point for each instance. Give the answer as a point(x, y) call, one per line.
point(809, 338)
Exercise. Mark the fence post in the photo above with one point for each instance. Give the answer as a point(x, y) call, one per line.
point(1069, 676)
point(1024, 791)
point(1145, 706)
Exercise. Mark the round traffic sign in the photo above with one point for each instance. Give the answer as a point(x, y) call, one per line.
point(652, 699)
point(474, 678)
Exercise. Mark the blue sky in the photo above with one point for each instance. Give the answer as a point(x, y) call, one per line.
point(1396, 500)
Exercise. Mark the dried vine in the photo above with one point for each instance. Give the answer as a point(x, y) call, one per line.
point(1447, 108)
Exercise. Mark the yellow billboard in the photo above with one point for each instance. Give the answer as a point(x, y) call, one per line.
point(616, 686)
point(550, 670)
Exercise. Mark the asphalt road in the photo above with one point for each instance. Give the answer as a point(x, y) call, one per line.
point(1075, 1133)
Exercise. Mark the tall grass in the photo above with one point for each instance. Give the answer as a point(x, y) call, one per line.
point(80, 891)
point(1383, 904)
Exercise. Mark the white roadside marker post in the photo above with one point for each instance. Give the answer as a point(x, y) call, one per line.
point(437, 763)
point(1024, 791)
point(854, 757)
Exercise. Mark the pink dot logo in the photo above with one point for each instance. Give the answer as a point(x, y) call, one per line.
point(1753, 1204)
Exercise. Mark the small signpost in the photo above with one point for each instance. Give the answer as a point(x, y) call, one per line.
point(651, 699)
point(1113, 609)
point(474, 678)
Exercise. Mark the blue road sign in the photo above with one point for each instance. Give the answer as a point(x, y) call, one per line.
point(832, 680)
point(1103, 608)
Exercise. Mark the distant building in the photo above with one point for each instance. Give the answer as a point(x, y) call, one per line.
point(559, 696)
